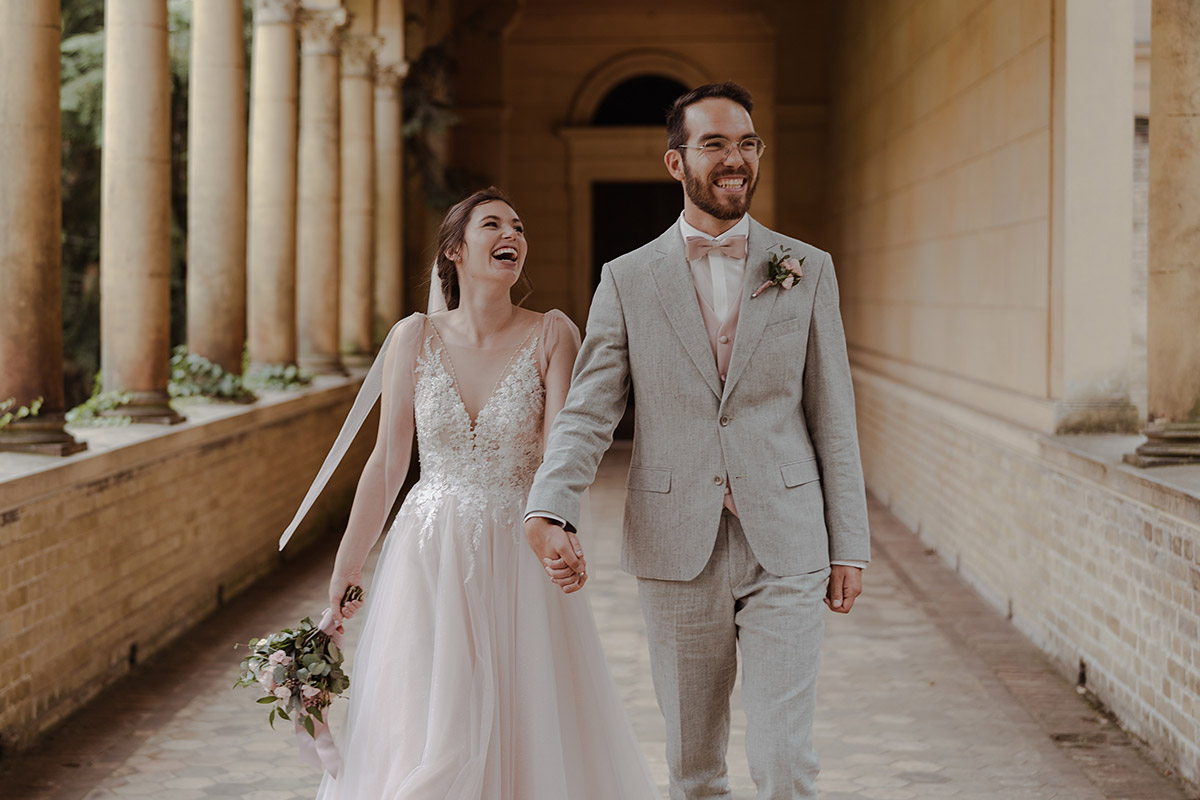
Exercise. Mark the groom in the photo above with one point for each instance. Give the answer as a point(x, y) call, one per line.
point(746, 508)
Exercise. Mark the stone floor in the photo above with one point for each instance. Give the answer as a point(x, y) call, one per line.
point(924, 693)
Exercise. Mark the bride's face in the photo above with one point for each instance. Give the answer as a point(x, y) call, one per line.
point(493, 247)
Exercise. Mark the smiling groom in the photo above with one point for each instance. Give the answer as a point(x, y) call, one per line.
point(746, 509)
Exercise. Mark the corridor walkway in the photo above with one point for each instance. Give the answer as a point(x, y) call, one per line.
point(925, 693)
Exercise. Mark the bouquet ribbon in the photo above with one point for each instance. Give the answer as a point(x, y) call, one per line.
point(319, 749)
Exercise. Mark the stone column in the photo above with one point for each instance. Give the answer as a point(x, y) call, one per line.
point(31, 349)
point(389, 200)
point(1173, 290)
point(216, 280)
point(1091, 223)
point(358, 199)
point(271, 235)
point(319, 210)
point(135, 210)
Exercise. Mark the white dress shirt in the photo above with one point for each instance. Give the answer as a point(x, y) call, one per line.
point(718, 278)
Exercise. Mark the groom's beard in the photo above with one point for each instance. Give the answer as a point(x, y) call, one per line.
point(704, 194)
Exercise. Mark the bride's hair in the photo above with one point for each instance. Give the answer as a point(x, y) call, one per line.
point(452, 234)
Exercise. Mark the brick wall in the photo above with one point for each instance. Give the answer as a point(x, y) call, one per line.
point(122, 548)
point(1096, 562)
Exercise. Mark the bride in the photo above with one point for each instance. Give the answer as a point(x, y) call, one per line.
point(476, 676)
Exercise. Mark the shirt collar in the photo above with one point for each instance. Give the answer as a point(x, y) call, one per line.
point(740, 228)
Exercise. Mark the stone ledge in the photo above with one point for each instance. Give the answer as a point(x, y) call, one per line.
point(1097, 457)
point(24, 477)
point(1174, 489)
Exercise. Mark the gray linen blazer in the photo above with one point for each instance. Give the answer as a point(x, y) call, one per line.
point(781, 429)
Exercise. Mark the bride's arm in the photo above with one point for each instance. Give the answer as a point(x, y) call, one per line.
point(385, 469)
point(560, 345)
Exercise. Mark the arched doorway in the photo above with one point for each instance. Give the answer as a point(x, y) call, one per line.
point(620, 193)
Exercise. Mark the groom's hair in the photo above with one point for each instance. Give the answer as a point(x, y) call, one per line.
point(677, 134)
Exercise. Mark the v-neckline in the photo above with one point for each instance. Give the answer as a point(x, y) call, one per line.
point(462, 403)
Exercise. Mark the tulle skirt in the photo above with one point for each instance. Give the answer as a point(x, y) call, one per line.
point(476, 678)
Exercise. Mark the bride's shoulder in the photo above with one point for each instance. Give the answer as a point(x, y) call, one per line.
point(557, 326)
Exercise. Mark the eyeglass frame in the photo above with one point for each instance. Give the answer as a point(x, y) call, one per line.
point(759, 150)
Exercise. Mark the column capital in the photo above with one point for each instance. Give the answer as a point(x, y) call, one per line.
point(358, 55)
point(275, 12)
point(389, 77)
point(321, 30)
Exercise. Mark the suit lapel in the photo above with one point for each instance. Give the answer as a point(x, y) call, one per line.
point(752, 313)
point(677, 292)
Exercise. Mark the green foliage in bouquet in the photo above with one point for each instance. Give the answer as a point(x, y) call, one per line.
point(299, 669)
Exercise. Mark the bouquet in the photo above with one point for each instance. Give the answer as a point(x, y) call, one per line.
point(301, 672)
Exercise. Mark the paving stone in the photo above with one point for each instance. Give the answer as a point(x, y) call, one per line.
point(909, 707)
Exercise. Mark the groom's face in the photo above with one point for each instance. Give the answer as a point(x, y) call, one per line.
point(720, 187)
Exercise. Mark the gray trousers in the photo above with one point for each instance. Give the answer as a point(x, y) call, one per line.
point(695, 628)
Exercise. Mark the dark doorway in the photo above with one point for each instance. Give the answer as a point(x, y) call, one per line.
point(626, 216)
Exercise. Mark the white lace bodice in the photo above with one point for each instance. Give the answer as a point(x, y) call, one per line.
point(485, 466)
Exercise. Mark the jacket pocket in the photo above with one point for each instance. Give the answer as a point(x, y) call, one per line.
point(799, 473)
point(646, 479)
point(781, 328)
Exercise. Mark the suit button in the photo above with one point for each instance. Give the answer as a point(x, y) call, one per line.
point(718, 480)
point(724, 340)
point(724, 421)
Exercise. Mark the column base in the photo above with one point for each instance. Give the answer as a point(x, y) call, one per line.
point(147, 408)
point(321, 364)
point(42, 435)
point(357, 360)
point(1167, 443)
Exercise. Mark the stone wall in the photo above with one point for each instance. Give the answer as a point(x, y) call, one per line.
point(1098, 563)
point(940, 194)
point(106, 557)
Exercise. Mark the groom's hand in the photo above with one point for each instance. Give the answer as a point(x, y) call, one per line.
point(557, 549)
point(845, 584)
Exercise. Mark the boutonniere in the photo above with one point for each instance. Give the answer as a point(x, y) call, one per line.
point(784, 270)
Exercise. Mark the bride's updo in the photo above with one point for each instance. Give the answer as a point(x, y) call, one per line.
point(452, 234)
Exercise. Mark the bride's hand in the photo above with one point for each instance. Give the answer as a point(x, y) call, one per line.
point(339, 586)
point(568, 579)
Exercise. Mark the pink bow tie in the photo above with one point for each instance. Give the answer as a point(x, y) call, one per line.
point(700, 246)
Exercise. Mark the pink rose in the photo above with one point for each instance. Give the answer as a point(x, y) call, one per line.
point(789, 281)
point(309, 691)
point(266, 677)
point(282, 692)
point(281, 658)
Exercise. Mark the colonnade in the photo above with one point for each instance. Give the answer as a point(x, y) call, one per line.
point(1173, 285)
point(293, 252)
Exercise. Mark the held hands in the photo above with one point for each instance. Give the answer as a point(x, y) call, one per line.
point(346, 595)
point(560, 552)
point(845, 584)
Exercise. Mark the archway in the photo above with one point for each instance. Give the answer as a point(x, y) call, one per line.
point(615, 148)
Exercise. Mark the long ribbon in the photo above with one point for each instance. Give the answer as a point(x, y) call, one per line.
point(368, 393)
point(319, 750)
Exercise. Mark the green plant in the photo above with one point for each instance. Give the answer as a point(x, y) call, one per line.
point(8, 415)
point(193, 375)
point(91, 411)
point(277, 377)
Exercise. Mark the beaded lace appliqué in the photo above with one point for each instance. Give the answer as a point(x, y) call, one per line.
point(485, 469)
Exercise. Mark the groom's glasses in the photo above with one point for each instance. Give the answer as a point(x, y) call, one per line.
point(718, 149)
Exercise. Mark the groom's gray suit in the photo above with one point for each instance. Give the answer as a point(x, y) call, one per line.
point(780, 431)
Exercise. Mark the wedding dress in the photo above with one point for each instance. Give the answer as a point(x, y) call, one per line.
point(475, 677)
